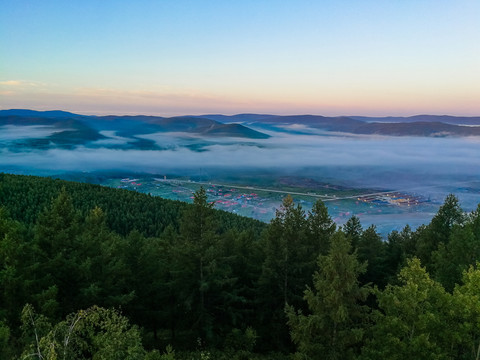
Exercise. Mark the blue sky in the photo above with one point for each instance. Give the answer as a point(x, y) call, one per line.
point(287, 57)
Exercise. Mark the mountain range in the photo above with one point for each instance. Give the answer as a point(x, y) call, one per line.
point(68, 130)
point(421, 125)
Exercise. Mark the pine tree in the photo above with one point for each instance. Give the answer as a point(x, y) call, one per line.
point(55, 269)
point(286, 269)
point(320, 227)
point(371, 249)
point(335, 324)
point(353, 230)
point(198, 231)
point(439, 229)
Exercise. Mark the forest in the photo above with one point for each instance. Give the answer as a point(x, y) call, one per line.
point(90, 272)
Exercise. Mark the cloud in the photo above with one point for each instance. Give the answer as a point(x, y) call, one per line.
point(402, 160)
point(431, 167)
point(11, 82)
point(13, 132)
point(25, 84)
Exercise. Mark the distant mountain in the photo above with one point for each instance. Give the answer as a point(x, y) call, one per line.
point(247, 126)
point(130, 125)
point(33, 120)
point(428, 129)
point(341, 123)
point(454, 120)
point(52, 114)
point(235, 130)
point(237, 118)
point(350, 125)
point(65, 132)
point(69, 130)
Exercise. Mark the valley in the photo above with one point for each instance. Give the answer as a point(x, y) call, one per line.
point(388, 210)
point(387, 171)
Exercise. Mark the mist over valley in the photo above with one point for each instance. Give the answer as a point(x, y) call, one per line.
point(336, 159)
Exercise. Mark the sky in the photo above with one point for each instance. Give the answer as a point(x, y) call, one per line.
point(332, 57)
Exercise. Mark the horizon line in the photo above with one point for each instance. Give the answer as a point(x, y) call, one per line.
point(99, 114)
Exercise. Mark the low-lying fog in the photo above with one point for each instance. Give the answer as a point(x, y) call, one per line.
point(431, 166)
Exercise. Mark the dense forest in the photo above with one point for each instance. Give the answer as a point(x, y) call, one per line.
point(89, 272)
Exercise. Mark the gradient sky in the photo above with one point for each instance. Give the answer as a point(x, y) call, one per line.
point(338, 57)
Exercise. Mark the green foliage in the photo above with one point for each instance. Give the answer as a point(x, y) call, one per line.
point(169, 354)
point(337, 318)
point(413, 321)
point(95, 333)
point(466, 307)
point(287, 268)
point(439, 230)
point(353, 230)
point(461, 251)
point(320, 227)
point(5, 351)
point(183, 272)
point(27, 196)
point(13, 251)
point(399, 247)
point(239, 340)
point(371, 249)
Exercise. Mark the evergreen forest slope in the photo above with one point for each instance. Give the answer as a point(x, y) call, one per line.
point(93, 272)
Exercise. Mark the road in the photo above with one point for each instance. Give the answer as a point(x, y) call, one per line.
point(323, 197)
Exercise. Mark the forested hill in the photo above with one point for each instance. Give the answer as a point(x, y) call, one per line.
point(88, 272)
point(27, 196)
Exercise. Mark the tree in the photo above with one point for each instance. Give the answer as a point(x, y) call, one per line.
point(335, 325)
point(320, 228)
point(466, 305)
point(353, 230)
point(371, 249)
point(198, 230)
point(439, 229)
point(286, 270)
point(5, 351)
point(13, 254)
point(55, 268)
point(399, 247)
point(461, 251)
point(413, 320)
point(161, 281)
point(286, 248)
point(95, 333)
point(103, 272)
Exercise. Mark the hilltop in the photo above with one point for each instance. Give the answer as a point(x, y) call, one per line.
point(68, 130)
point(140, 131)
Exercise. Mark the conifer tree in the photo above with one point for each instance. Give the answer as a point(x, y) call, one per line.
point(353, 230)
point(439, 229)
point(321, 227)
point(286, 269)
point(461, 251)
point(55, 270)
point(198, 230)
point(371, 249)
point(335, 323)
point(414, 320)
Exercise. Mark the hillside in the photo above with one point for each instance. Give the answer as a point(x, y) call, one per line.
point(27, 196)
point(426, 126)
point(125, 126)
point(426, 129)
point(448, 119)
point(82, 267)
point(73, 129)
